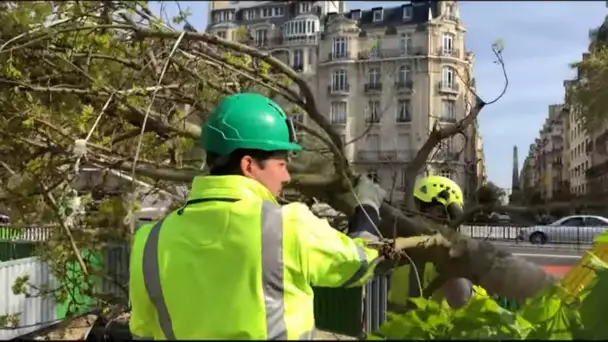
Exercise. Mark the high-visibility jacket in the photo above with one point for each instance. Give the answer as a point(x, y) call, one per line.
point(233, 264)
point(404, 285)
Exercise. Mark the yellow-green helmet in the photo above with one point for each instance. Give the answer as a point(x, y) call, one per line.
point(440, 189)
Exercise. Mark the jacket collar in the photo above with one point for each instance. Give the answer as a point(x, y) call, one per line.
point(234, 187)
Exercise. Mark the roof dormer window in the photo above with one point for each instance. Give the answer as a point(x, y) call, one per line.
point(378, 15)
point(223, 16)
point(449, 10)
point(249, 14)
point(408, 12)
point(305, 7)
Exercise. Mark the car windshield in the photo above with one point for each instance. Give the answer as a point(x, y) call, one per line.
point(570, 221)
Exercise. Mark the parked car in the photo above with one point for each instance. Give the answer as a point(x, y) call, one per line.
point(4, 220)
point(569, 229)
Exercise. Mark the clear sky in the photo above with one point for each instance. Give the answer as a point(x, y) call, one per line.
point(541, 39)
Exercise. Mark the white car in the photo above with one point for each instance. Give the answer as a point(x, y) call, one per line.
point(573, 229)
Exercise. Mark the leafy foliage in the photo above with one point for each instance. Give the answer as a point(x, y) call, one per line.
point(552, 315)
point(65, 77)
point(134, 90)
point(587, 94)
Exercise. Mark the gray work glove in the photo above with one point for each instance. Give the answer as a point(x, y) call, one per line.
point(369, 192)
point(457, 292)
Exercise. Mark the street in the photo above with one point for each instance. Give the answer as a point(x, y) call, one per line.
point(546, 255)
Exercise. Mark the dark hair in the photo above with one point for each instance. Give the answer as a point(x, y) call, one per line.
point(231, 164)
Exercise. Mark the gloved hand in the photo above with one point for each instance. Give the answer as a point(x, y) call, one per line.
point(369, 192)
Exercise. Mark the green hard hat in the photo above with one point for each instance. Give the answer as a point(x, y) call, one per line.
point(248, 121)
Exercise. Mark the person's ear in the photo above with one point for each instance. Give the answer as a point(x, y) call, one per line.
point(246, 165)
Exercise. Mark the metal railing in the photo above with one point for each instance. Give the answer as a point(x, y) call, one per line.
point(388, 155)
point(20, 242)
point(452, 87)
point(351, 311)
point(372, 54)
point(535, 236)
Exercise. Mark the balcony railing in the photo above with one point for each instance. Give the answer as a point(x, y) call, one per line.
point(445, 155)
point(338, 90)
point(389, 53)
point(373, 87)
point(404, 85)
point(404, 119)
point(372, 118)
point(280, 41)
point(455, 53)
point(389, 155)
point(446, 87)
point(331, 56)
point(451, 17)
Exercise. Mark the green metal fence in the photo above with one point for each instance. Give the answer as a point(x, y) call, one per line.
point(507, 304)
point(10, 250)
point(339, 310)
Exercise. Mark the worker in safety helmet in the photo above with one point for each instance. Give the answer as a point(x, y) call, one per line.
point(232, 263)
point(441, 197)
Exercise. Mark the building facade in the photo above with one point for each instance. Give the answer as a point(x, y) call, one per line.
point(289, 29)
point(385, 77)
point(544, 170)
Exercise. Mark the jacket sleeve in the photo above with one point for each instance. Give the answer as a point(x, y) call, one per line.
point(329, 258)
point(142, 310)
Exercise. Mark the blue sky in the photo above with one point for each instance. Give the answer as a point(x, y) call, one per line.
point(541, 39)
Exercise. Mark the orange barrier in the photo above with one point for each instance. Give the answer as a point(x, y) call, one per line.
point(560, 270)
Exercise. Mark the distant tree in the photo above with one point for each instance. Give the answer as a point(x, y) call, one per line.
point(588, 91)
point(490, 194)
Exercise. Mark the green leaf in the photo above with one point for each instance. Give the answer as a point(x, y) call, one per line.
point(594, 308)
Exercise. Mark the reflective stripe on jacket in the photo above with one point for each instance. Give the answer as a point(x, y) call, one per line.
point(235, 265)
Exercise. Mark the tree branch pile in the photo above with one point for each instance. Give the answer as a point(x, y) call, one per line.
point(99, 70)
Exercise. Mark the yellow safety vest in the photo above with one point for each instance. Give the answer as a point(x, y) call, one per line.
point(404, 285)
point(234, 264)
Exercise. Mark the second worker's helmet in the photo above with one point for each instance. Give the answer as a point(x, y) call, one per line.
point(441, 190)
point(248, 121)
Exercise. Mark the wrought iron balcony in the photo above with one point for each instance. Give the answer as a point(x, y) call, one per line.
point(445, 155)
point(404, 85)
point(332, 56)
point(371, 54)
point(336, 90)
point(373, 87)
point(385, 156)
point(446, 87)
point(455, 53)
